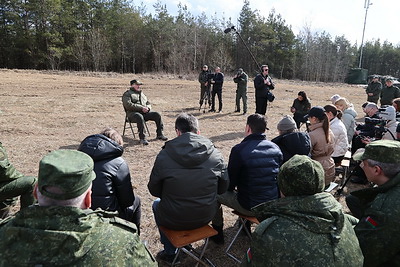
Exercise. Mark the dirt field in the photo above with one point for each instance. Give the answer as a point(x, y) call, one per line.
point(41, 111)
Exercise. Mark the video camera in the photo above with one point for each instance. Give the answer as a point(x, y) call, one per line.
point(372, 128)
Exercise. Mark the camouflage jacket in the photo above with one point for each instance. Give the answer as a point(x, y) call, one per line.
point(7, 170)
point(304, 231)
point(378, 230)
point(375, 88)
point(69, 236)
point(134, 101)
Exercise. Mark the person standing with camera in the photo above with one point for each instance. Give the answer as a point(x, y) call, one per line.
point(217, 82)
point(263, 84)
point(241, 79)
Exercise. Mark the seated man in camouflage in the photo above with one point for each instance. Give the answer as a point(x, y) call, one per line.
point(378, 208)
point(13, 184)
point(306, 227)
point(62, 230)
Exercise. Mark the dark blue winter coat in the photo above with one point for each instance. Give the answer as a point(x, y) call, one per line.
point(293, 143)
point(253, 169)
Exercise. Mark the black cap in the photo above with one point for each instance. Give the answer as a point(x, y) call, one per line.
point(318, 112)
point(136, 82)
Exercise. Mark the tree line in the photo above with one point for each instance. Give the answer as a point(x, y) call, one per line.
point(105, 35)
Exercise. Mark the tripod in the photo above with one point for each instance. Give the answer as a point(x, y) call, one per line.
point(205, 100)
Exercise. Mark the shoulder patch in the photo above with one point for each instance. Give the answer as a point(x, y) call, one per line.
point(124, 224)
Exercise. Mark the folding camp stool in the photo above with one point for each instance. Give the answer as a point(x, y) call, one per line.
point(243, 219)
point(182, 238)
point(344, 166)
point(130, 125)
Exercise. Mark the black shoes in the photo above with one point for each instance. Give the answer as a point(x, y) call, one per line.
point(144, 142)
point(211, 110)
point(168, 258)
point(238, 110)
point(162, 137)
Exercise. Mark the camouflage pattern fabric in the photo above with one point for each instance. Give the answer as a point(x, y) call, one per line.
point(386, 151)
point(69, 236)
point(303, 231)
point(13, 184)
point(378, 230)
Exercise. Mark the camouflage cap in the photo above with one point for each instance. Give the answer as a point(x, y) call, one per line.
point(301, 175)
point(385, 151)
point(69, 170)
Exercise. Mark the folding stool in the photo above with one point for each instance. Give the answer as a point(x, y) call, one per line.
point(130, 125)
point(182, 238)
point(242, 225)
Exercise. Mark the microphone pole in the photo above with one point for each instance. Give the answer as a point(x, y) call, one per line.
point(228, 30)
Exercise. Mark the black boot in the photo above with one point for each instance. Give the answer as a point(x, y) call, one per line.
point(218, 238)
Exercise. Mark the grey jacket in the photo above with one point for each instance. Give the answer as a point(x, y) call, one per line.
point(187, 175)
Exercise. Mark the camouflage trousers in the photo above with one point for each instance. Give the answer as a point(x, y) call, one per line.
point(230, 200)
point(9, 192)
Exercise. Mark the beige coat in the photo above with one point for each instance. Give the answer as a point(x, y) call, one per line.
point(321, 151)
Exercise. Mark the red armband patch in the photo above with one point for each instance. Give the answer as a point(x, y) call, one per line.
point(370, 221)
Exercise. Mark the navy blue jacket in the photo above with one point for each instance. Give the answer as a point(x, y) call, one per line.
point(253, 169)
point(293, 143)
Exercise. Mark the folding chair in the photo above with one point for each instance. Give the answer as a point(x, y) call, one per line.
point(243, 219)
point(181, 239)
point(130, 125)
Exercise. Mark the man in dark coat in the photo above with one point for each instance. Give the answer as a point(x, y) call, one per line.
point(262, 84)
point(378, 208)
point(112, 189)
point(253, 167)
point(187, 175)
point(217, 83)
point(241, 79)
point(205, 85)
point(389, 92)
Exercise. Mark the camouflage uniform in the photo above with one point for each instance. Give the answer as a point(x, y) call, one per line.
point(305, 228)
point(13, 184)
point(241, 92)
point(56, 235)
point(378, 229)
point(50, 236)
point(375, 88)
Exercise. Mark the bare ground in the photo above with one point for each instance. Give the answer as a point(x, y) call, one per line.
point(41, 111)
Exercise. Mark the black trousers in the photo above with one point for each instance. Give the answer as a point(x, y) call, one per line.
point(219, 94)
point(261, 105)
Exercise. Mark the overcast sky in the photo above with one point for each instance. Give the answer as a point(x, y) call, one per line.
point(339, 17)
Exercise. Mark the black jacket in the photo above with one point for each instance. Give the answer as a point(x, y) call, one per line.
point(112, 188)
point(253, 169)
point(219, 80)
point(293, 143)
point(261, 88)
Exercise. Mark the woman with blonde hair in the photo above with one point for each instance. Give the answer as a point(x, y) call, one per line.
point(322, 141)
point(349, 116)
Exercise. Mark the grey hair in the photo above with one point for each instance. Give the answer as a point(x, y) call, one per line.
point(390, 170)
point(73, 202)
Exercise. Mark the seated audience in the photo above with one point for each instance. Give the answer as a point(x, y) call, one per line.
point(13, 184)
point(112, 189)
point(348, 118)
point(341, 145)
point(378, 207)
point(334, 98)
point(253, 168)
point(301, 106)
point(322, 141)
point(62, 230)
point(187, 175)
point(306, 227)
point(291, 141)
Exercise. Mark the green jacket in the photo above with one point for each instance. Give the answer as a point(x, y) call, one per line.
point(388, 94)
point(241, 81)
point(378, 230)
point(304, 231)
point(134, 101)
point(7, 170)
point(69, 236)
point(375, 88)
